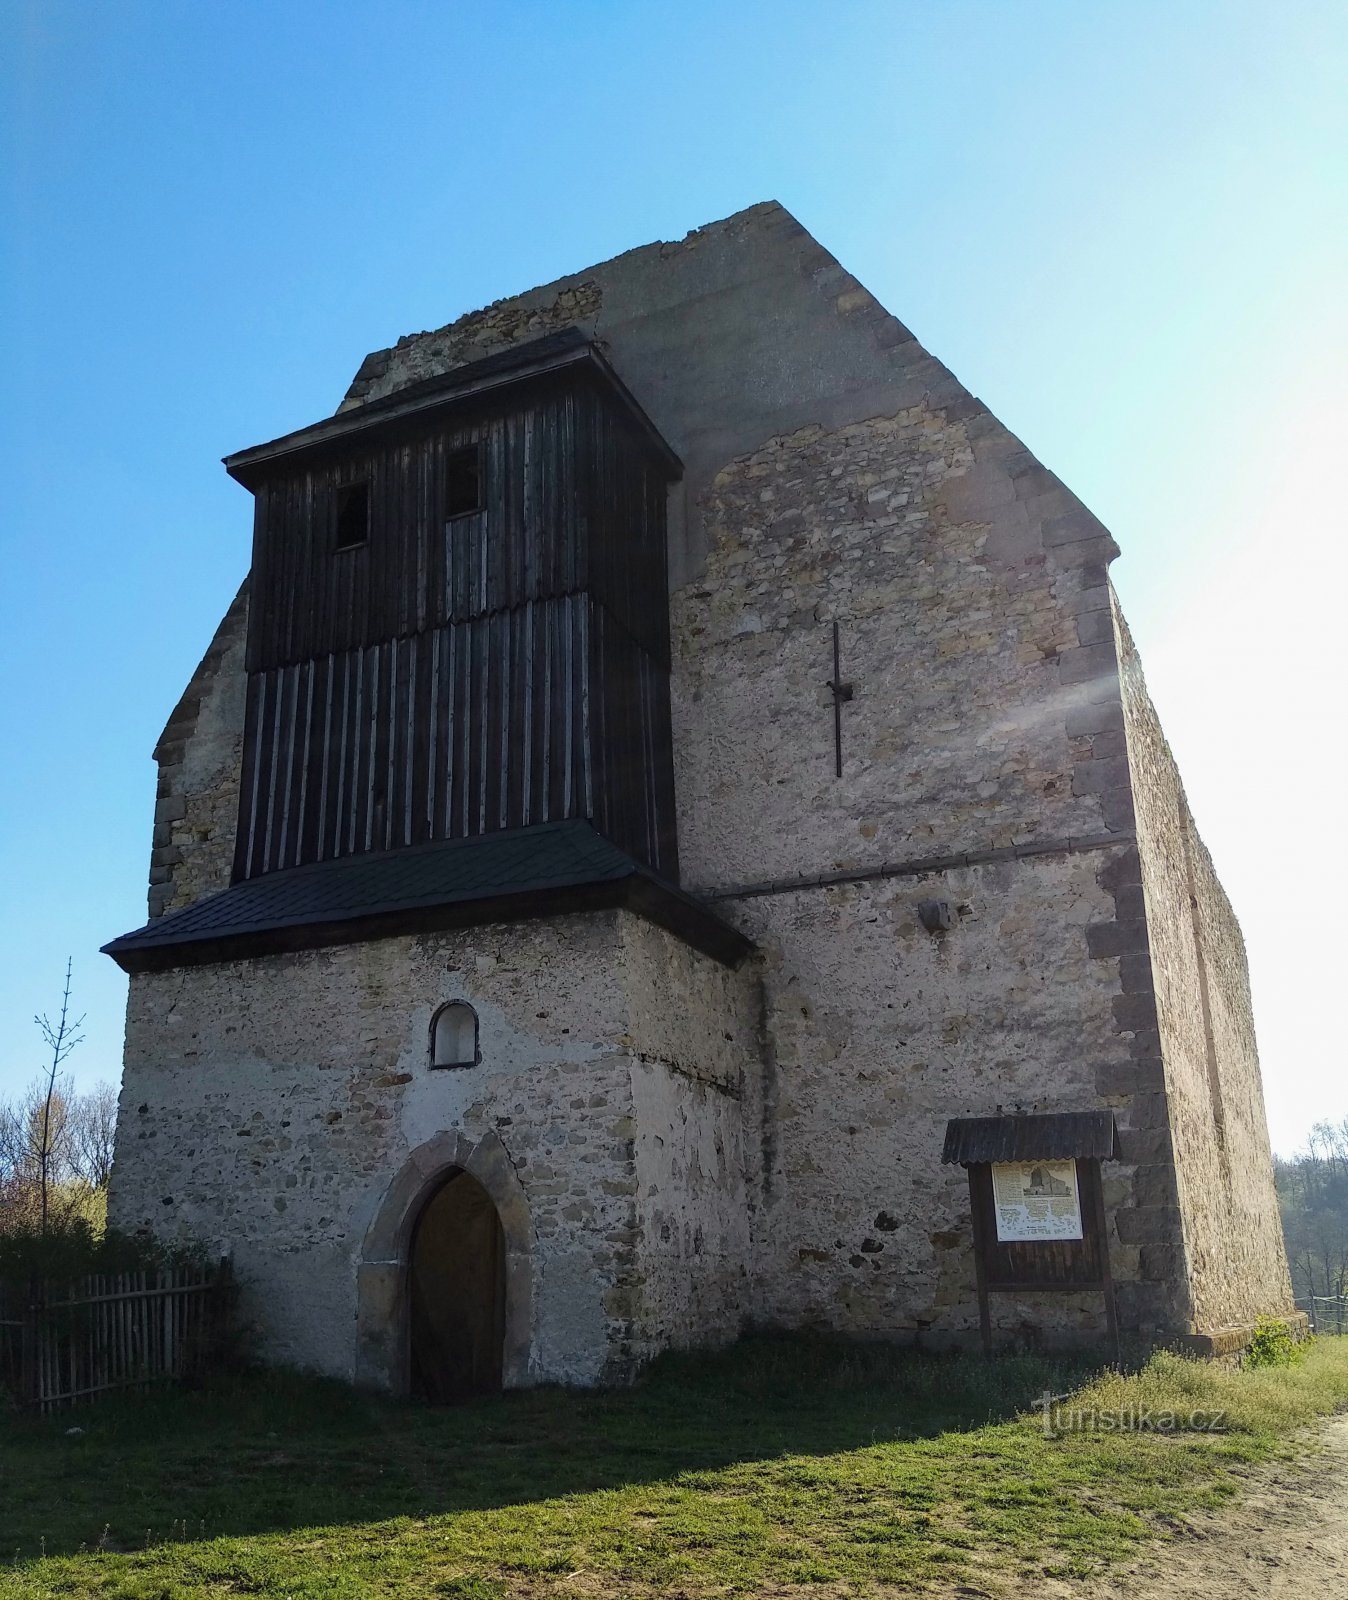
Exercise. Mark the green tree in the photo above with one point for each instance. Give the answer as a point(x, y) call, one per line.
point(1313, 1197)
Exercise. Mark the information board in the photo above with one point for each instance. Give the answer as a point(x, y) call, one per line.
point(1036, 1200)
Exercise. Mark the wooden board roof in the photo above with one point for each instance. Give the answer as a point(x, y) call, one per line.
point(1052, 1136)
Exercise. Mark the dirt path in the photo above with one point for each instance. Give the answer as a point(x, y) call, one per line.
point(1286, 1536)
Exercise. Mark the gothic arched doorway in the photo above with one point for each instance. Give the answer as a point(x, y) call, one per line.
point(383, 1293)
point(456, 1289)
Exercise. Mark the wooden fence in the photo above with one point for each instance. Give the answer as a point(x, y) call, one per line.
point(71, 1341)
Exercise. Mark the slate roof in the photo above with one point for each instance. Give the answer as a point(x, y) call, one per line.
point(539, 871)
point(1056, 1136)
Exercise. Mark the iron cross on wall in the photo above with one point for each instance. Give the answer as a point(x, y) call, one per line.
point(842, 693)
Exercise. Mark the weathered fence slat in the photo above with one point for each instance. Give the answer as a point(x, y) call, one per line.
point(166, 1292)
point(108, 1331)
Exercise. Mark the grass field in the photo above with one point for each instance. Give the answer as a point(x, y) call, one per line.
point(780, 1464)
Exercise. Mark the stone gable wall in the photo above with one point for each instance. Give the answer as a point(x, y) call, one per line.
point(983, 765)
point(959, 636)
point(481, 333)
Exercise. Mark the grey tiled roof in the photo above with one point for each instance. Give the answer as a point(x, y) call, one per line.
point(512, 873)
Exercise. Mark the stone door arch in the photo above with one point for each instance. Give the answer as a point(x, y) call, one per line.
point(381, 1277)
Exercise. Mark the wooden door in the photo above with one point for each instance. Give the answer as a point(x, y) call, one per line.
point(456, 1290)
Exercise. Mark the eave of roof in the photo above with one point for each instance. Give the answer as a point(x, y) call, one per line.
point(547, 870)
point(1052, 1136)
point(568, 350)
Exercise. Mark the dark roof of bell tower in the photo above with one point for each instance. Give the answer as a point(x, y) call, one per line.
point(567, 351)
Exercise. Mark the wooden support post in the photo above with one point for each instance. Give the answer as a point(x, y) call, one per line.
point(1094, 1189)
point(980, 1267)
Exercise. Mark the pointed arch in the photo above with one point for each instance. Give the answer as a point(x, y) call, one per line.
point(382, 1338)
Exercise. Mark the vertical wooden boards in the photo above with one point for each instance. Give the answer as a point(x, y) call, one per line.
point(452, 676)
point(419, 567)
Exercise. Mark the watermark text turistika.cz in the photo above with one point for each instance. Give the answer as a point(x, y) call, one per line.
point(1059, 1418)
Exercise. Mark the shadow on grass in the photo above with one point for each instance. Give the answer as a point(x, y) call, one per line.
point(270, 1452)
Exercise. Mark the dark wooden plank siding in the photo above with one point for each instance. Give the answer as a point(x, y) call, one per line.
point(456, 676)
point(523, 716)
point(622, 505)
point(518, 717)
point(418, 567)
point(572, 500)
point(634, 773)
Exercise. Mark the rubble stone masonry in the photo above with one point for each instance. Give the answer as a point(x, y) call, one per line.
point(272, 1101)
point(1233, 1255)
point(200, 754)
point(984, 728)
point(695, 1147)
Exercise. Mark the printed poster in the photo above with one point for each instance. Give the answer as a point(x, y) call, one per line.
point(1036, 1200)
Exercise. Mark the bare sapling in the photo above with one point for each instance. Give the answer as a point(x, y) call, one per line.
point(61, 1037)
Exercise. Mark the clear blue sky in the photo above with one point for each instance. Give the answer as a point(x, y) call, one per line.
point(1122, 225)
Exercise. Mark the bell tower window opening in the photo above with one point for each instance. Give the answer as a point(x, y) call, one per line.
point(353, 515)
point(454, 1036)
point(463, 482)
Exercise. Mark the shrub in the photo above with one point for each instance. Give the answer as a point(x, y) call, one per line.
point(1272, 1344)
point(74, 1247)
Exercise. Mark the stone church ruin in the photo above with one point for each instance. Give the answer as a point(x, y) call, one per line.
point(676, 771)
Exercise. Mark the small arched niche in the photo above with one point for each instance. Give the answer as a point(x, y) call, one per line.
point(454, 1036)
